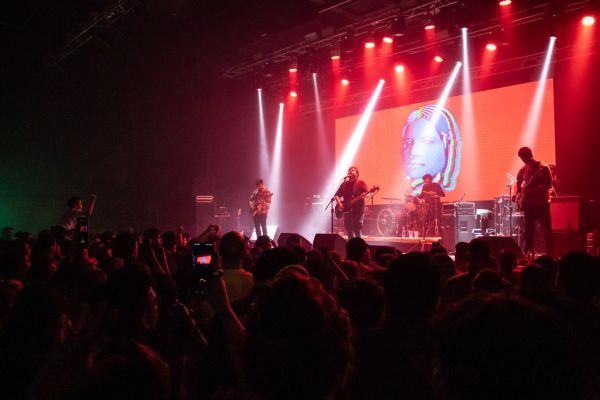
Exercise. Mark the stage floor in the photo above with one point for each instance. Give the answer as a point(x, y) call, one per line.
point(404, 244)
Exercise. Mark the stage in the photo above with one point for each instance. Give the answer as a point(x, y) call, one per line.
point(404, 244)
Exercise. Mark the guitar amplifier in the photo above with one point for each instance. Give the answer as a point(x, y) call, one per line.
point(465, 208)
point(448, 208)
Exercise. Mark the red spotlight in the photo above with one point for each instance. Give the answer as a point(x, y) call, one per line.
point(429, 26)
point(293, 69)
point(335, 57)
point(491, 46)
point(438, 59)
point(588, 20)
point(504, 3)
point(399, 68)
point(388, 39)
point(369, 44)
point(293, 93)
point(345, 82)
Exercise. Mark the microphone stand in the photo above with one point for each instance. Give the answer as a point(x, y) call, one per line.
point(331, 201)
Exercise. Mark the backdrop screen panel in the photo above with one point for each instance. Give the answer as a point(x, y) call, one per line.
point(469, 152)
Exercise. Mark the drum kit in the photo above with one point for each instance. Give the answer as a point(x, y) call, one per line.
point(401, 217)
point(508, 221)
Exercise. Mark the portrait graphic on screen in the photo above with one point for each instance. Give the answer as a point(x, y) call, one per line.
point(431, 145)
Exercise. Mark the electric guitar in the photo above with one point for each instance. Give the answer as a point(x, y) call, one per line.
point(346, 206)
point(260, 206)
point(521, 197)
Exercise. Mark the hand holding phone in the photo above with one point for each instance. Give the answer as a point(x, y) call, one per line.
point(204, 265)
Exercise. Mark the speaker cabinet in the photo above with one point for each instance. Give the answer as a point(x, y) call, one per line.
point(283, 239)
point(449, 231)
point(332, 242)
point(566, 213)
point(457, 229)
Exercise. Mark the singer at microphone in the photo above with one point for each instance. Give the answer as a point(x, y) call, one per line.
point(350, 202)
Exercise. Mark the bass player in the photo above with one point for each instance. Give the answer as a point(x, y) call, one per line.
point(534, 182)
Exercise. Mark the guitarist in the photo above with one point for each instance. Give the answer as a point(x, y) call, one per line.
point(260, 200)
point(352, 188)
point(534, 182)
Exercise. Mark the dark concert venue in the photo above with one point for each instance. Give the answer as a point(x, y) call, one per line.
point(300, 199)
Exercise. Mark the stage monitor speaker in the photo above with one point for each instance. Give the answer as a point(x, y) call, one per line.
point(566, 241)
point(457, 229)
point(332, 242)
point(283, 238)
point(272, 232)
point(499, 243)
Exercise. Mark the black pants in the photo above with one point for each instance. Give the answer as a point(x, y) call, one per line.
point(542, 215)
point(353, 222)
point(260, 224)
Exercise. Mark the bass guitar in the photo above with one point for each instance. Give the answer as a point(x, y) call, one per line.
point(344, 208)
point(521, 197)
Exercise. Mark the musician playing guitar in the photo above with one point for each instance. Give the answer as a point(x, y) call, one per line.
point(534, 182)
point(350, 200)
point(260, 200)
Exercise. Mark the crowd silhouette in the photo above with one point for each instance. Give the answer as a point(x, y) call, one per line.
point(124, 318)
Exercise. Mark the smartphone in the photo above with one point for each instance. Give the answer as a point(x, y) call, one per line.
point(203, 261)
point(81, 231)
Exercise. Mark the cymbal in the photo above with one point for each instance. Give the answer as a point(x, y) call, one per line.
point(391, 198)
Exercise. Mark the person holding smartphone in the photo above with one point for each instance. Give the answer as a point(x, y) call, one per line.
point(68, 221)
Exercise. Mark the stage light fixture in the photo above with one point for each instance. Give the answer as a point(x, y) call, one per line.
point(335, 52)
point(491, 46)
point(588, 20)
point(388, 39)
point(345, 82)
point(504, 3)
point(398, 27)
point(370, 41)
point(347, 43)
point(428, 24)
point(438, 58)
point(399, 68)
point(293, 93)
point(293, 65)
point(268, 69)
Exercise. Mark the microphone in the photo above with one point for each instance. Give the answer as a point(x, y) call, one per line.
point(512, 178)
point(461, 198)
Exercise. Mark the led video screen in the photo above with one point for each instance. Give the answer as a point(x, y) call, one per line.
point(469, 145)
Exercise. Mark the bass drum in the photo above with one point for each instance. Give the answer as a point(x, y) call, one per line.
point(388, 221)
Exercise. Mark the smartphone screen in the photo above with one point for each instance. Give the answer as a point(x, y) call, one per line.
point(81, 231)
point(202, 253)
point(202, 265)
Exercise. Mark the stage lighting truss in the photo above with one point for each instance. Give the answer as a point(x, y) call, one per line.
point(391, 20)
point(93, 29)
point(530, 61)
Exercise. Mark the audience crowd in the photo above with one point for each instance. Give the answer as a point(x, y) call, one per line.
point(125, 317)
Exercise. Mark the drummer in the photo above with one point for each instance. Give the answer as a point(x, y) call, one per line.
point(431, 192)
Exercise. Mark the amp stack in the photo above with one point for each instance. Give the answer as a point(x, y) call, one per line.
point(458, 223)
